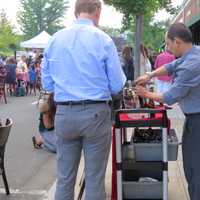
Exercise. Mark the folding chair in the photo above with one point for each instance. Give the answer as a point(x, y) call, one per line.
point(4, 133)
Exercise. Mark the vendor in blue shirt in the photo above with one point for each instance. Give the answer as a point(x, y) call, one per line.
point(186, 91)
point(81, 66)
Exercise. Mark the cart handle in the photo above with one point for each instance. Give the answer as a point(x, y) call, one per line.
point(141, 110)
point(132, 123)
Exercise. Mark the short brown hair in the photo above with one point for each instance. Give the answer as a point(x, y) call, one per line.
point(181, 31)
point(87, 6)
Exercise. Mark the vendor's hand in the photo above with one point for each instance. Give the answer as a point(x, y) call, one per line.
point(142, 80)
point(141, 91)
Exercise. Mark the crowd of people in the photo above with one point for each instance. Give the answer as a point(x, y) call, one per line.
point(22, 76)
point(148, 62)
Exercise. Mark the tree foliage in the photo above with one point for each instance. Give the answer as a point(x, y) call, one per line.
point(114, 32)
point(9, 40)
point(152, 33)
point(138, 7)
point(153, 36)
point(36, 16)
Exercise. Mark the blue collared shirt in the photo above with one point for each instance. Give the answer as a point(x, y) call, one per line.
point(81, 63)
point(186, 87)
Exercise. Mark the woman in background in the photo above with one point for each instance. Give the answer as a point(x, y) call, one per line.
point(127, 63)
point(145, 65)
point(11, 66)
point(163, 83)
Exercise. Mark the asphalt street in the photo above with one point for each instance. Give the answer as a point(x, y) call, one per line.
point(30, 172)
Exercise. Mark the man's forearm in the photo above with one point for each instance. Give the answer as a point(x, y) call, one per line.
point(155, 96)
point(161, 71)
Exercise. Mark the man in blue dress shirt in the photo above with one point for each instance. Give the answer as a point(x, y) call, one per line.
point(186, 91)
point(82, 68)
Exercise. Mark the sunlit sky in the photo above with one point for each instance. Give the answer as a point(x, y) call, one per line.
point(109, 17)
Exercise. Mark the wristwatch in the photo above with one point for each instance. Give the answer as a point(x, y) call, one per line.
point(150, 74)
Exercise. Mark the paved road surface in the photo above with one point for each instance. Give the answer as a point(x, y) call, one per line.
point(30, 172)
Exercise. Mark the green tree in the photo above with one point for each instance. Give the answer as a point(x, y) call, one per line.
point(130, 9)
point(154, 34)
point(135, 10)
point(114, 32)
point(9, 40)
point(36, 16)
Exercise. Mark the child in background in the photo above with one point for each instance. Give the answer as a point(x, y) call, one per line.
point(38, 74)
point(32, 79)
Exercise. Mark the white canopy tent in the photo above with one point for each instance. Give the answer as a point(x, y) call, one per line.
point(39, 42)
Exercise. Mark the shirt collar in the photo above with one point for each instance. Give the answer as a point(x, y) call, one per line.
point(187, 52)
point(84, 21)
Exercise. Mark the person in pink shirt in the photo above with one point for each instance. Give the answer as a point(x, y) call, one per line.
point(163, 83)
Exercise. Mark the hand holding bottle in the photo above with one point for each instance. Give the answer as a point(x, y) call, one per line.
point(141, 91)
point(142, 80)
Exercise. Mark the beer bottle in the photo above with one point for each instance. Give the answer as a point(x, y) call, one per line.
point(142, 102)
point(150, 102)
point(136, 100)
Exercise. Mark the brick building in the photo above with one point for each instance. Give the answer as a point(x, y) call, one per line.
point(189, 14)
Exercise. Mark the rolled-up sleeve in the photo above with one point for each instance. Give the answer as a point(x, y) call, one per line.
point(171, 67)
point(180, 88)
point(47, 81)
point(175, 94)
point(114, 70)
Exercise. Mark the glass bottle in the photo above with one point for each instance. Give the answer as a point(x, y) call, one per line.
point(136, 100)
point(150, 102)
